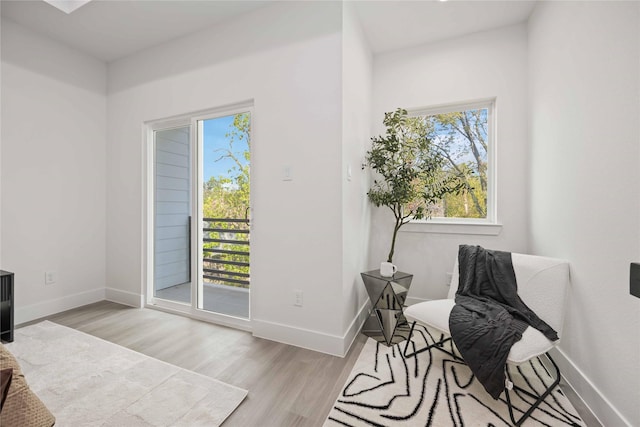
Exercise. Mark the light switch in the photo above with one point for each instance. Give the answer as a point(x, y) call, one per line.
point(287, 175)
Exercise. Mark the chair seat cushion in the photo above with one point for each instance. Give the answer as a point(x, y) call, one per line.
point(435, 314)
point(533, 343)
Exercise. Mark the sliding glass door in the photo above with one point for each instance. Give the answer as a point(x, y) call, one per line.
point(200, 211)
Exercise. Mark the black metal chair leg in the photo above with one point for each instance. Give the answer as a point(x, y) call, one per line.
point(539, 399)
point(406, 346)
point(437, 345)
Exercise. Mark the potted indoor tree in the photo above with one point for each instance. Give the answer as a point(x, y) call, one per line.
point(410, 177)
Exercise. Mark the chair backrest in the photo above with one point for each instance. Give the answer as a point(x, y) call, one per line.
point(543, 284)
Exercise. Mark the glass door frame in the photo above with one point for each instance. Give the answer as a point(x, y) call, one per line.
point(193, 309)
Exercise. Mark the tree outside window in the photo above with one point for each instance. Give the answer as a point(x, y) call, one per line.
point(462, 137)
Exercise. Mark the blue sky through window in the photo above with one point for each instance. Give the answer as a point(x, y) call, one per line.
point(214, 131)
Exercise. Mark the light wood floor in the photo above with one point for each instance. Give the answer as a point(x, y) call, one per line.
point(288, 386)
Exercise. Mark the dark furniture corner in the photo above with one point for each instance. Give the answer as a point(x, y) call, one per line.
point(6, 306)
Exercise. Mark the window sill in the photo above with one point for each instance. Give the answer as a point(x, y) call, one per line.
point(471, 228)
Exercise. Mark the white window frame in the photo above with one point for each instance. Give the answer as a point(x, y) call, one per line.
point(490, 224)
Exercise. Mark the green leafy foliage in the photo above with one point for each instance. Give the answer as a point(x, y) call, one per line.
point(412, 175)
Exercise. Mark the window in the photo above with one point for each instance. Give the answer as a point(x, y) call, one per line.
point(464, 135)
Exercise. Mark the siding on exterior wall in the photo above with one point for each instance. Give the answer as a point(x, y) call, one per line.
point(172, 207)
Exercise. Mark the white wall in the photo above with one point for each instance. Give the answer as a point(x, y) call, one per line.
point(482, 65)
point(294, 80)
point(53, 172)
point(356, 131)
point(585, 188)
point(0, 141)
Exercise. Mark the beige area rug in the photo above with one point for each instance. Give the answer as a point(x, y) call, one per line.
point(387, 389)
point(86, 381)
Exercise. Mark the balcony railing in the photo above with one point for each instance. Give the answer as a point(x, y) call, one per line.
point(226, 251)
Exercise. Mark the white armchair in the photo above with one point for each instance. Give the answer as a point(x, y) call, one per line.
point(542, 285)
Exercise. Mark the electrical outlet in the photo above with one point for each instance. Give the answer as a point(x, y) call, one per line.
point(50, 277)
point(298, 301)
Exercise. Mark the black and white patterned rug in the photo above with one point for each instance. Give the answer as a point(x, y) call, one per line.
point(433, 389)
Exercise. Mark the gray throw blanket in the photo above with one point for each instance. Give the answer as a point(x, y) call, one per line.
point(489, 316)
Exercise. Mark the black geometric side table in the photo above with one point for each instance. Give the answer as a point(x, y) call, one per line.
point(388, 295)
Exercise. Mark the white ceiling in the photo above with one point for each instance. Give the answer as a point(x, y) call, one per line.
point(112, 29)
point(390, 25)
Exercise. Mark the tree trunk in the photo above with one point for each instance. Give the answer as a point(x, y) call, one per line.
point(393, 239)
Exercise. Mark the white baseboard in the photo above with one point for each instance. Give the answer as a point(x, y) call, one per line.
point(334, 345)
point(123, 297)
point(58, 305)
point(305, 338)
point(593, 399)
point(355, 327)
